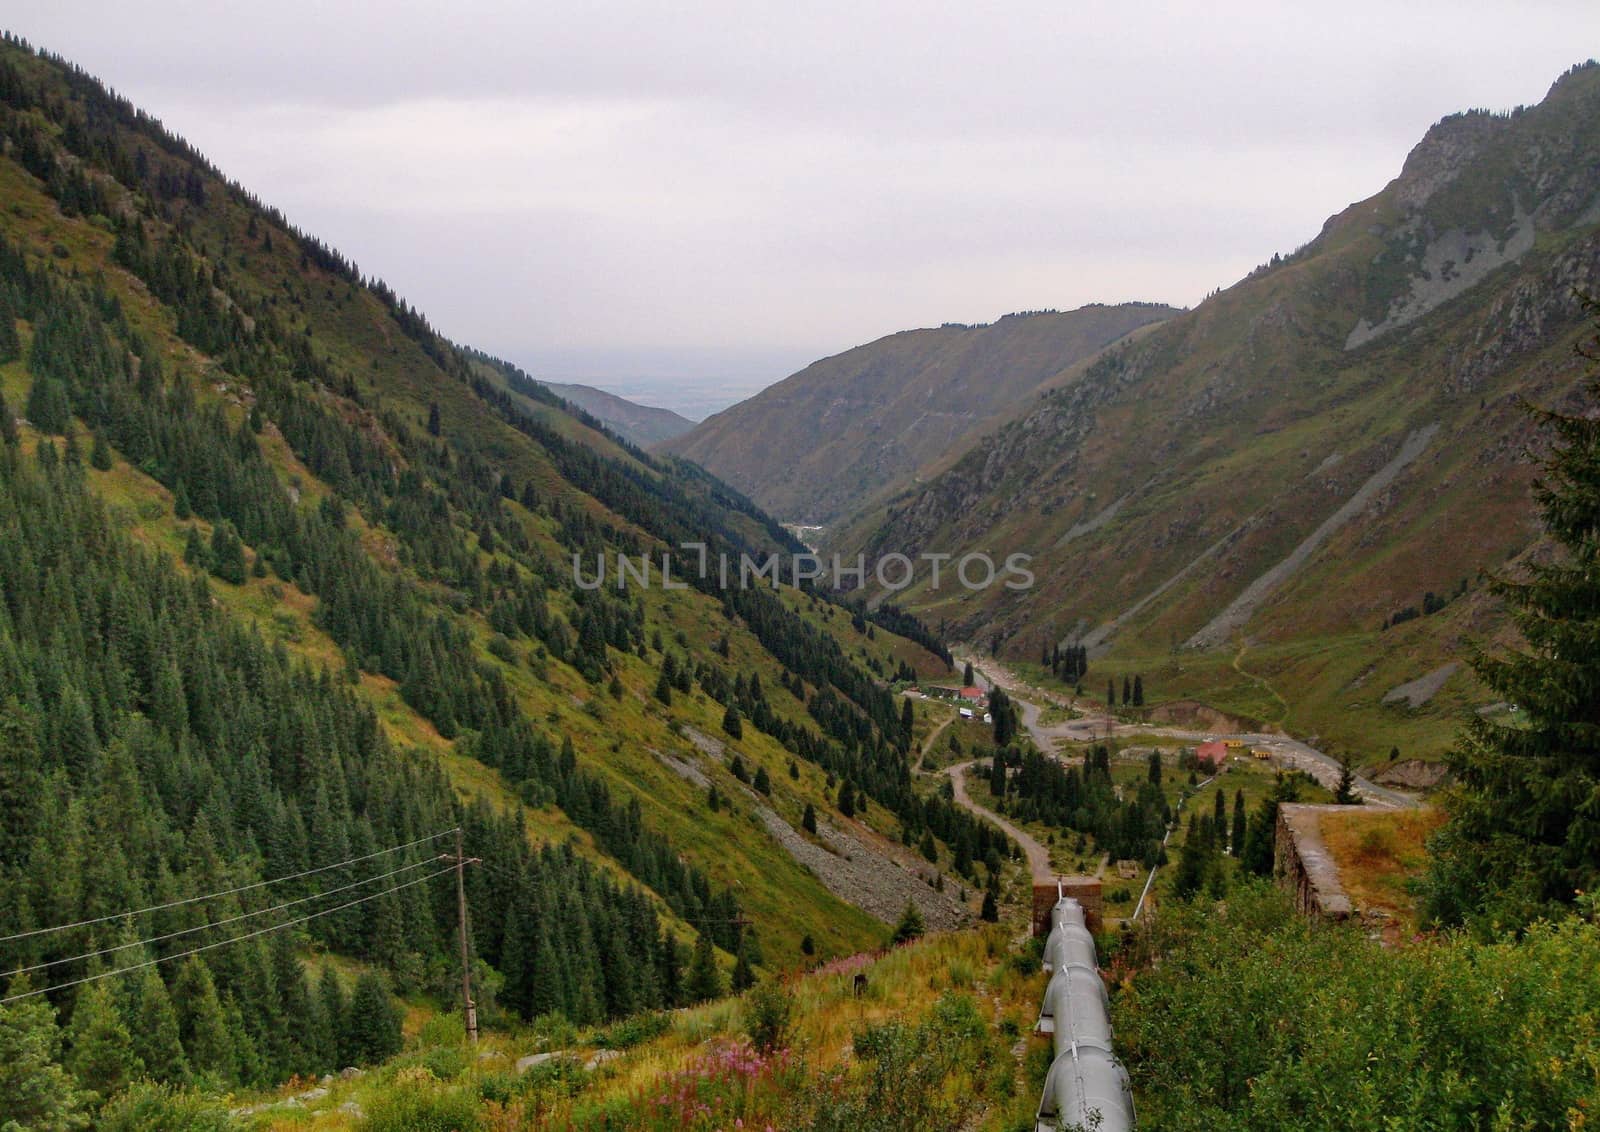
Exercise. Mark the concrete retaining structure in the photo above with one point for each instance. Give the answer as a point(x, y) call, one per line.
point(1084, 889)
point(1303, 864)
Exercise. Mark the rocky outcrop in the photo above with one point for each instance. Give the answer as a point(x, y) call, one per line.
point(1449, 265)
point(1419, 691)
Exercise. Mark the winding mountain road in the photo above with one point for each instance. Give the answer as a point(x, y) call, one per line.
point(1038, 856)
point(1094, 723)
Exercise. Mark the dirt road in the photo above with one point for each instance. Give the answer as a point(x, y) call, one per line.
point(1095, 723)
point(1038, 856)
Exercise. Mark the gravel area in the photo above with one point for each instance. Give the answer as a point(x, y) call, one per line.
point(867, 877)
point(1423, 688)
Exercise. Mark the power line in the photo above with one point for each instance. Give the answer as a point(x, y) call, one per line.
point(224, 942)
point(224, 892)
point(223, 923)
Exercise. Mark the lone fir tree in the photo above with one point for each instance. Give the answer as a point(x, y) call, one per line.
point(1523, 838)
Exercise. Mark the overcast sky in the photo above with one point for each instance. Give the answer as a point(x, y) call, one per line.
point(687, 202)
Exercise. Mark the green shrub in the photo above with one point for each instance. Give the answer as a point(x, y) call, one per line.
point(416, 1107)
point(931, 1075)
point(442, 1030)
point(500, 1087)
point(632, 1031)
point(445, 1062)
point(147, 1107)
point(767, 1011)
point(502, 648)
point(1264, 1019)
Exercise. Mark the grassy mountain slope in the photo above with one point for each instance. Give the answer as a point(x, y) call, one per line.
point(819, 444)
point(644, 425)
point(1239, 502)
point(395, 517)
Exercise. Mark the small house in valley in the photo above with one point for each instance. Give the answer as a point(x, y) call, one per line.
point(1211, 755)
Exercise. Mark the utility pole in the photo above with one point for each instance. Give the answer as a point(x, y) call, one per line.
point(469, 1007)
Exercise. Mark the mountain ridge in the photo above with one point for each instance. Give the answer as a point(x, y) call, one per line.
point(1225, 437)
point(642, 425)
point(816, 445)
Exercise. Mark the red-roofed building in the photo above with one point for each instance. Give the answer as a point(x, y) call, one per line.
point(971, 693)
point(1214, 754)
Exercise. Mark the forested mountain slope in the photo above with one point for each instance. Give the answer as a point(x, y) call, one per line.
point(818, 445)
point(1330, 443)
point(286, 581)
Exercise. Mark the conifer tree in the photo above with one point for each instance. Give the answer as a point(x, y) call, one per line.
point(194, 550)
point(8, 424)
point(731, 722)
point(49, 409)
point(372, 1021)
point(669, 969)
point(968, 677)
point(1238, 837)
point(1521, 839)
point(100, 453)
point(808, 820)
point(744, 976)
point(1345, 792)
point(21, 780)
point(227, 554)
point(39, 1095)
point(664, 688)
point(704, 982)
point(155, 1031)
point(10, 341)
point(1138, 691)
point(203, 1025)
point(1260, 837)
point(100, 1049)
point(911, 925)
point(847, 799)
point(1004, 714)
point(763, 781)
point(1193, 864)
point(991, 909)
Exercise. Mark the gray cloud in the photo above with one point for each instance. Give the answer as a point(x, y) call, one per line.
point(623, 191)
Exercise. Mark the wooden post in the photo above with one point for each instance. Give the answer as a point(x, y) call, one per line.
point(468, 1006)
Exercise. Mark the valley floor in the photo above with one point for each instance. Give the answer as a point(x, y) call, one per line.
point(1092, 722)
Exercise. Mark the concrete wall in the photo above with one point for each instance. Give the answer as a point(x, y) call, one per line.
point(1303, 864)
point(1084, 889)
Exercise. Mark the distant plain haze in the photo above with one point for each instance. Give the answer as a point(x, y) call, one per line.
point(682, 204)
